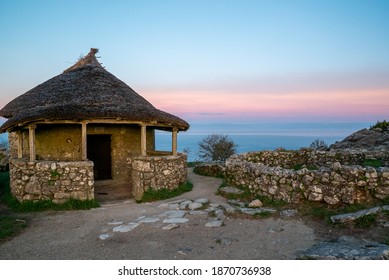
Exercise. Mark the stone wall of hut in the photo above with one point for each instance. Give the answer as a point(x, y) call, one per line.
point(58, 181)
point(157, 172)
point(333, 177)
point(63, 143)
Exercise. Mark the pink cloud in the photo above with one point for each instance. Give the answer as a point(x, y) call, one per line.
point(346, 104)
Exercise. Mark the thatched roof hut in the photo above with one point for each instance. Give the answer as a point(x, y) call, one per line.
point(84, 91)
point(85, 125)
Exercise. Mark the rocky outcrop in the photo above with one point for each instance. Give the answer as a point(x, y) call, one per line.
point(346, 248)
point(368, 139)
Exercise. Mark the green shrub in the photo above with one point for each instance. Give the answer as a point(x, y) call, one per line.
point(372, 162)
point(384, 125)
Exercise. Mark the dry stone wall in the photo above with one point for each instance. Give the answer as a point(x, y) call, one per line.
point(292, 176)
point(157, 172)
point(51, 180)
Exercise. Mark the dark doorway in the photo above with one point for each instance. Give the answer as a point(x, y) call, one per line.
point(99, 151)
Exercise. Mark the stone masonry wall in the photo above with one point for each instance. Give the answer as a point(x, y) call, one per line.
point(51, 180)
point(157, 172)
point(334, 178)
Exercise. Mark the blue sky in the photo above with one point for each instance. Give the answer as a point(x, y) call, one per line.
point(269, 60)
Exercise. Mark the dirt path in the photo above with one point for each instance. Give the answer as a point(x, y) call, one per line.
point(92, 234)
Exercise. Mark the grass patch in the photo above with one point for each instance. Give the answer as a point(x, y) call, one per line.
point(43, 205)
point(372, 162)
point(383, 125)
point(162, 194)
point(366, 221)
point(263, 214)
point(246, 195)
point(10, 227)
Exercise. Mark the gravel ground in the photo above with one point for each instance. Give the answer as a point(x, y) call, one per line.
point(90, 234)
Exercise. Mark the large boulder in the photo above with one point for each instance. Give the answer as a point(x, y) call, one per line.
point(369, 139)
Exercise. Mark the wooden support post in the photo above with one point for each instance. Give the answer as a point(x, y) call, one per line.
point(20, 144)
point(31, 141)
point(174, 141)
point(143, 140)
point(83, 141)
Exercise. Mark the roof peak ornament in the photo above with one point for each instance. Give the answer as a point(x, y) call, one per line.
point(89, 59)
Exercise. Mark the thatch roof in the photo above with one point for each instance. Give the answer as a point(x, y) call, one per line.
point(85, 91)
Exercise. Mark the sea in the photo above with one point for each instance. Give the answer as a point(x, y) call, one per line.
point(259, 136)
point(255, 136)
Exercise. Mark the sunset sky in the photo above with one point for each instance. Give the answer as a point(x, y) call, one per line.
point(259, 60)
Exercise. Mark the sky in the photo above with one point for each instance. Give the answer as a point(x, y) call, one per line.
point(228, 61)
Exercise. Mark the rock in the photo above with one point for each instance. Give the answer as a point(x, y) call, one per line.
point(253, 211)
point(385, 207)
point(171, 226)
point(369, 139)
point(236, 203)
point(115, 223)
point(219, 214)
point(174, 206)
point(175, 221)
point(174, 213)
point(198, 212)
point(148, 220)
point(231, 190)
point(125, 228)
point(105, 236)
point(225, 241)
point(195, 205)
point(255, 203)
point(347, 248)
point(288, 213)
point(342, 218)
point(184, 204)
point(214, 223)
point(202, 200)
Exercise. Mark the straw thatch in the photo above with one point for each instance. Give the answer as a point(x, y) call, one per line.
point(85, 91)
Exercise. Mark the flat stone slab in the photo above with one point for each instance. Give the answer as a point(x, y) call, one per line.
point(236, 203)
point(115, 223)
point(105, 236)
point(174, 206)
point(347, 248)
point(184, 204)
point(175, 221)
point(214, 223)
point(198, 212)
point(125, 228)
point(174, 213)
point(202, 200)
point(148, 220)
point(288, 213)
point(342, 218)
point(231, 190)
point(253, 211)
point(171, 226)
point(195, 205)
